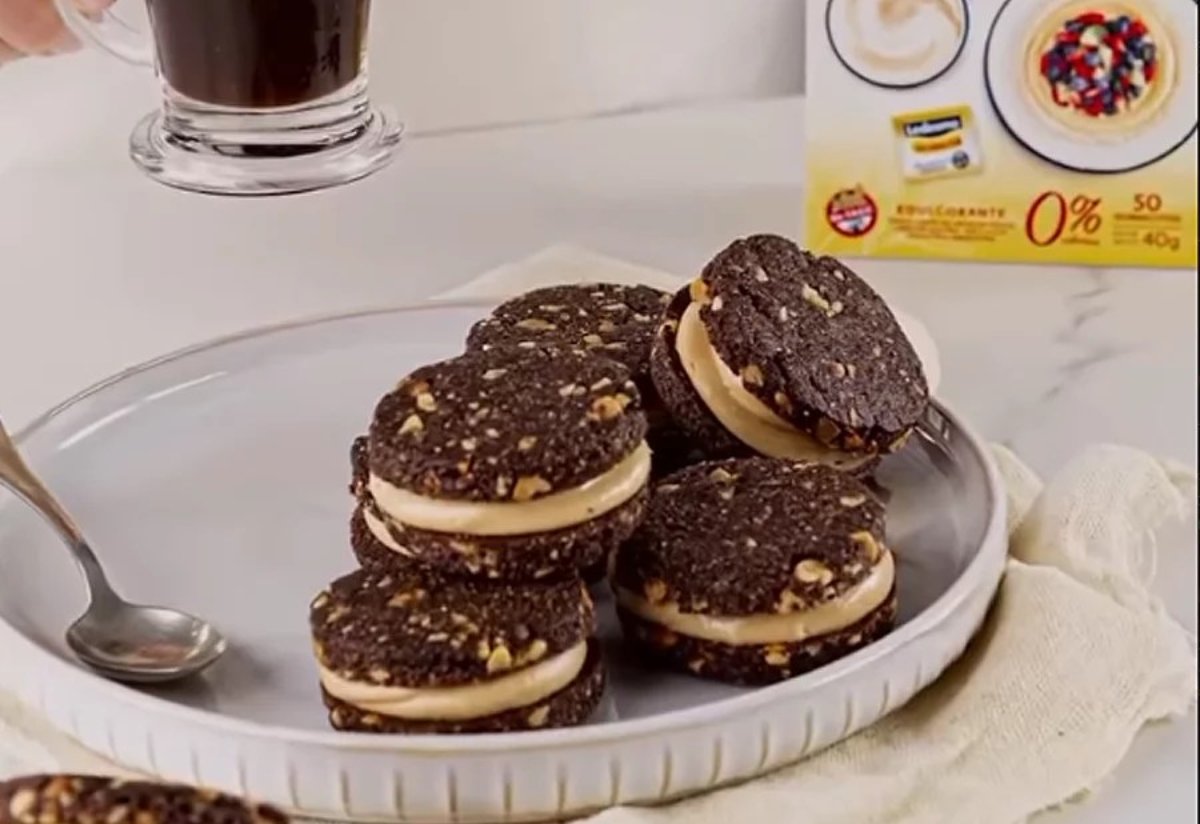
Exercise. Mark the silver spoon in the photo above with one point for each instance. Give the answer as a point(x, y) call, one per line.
point(121, 641)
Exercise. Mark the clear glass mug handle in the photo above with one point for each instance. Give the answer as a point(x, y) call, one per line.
point(107, 32)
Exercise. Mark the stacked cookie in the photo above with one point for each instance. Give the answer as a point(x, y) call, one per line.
point(460, 655)
point(491, 486)
point(754, 570)
point(777, 352)
point(614, 320)
point(487, 483)
point(792, 377)
point(509, 464)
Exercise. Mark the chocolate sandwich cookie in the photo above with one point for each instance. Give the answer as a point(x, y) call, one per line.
point(409, 650)
point(78, 799)
point(779, 352)
point(508, 464)
point(611, 319)
point(754, 570)
point(376, 542)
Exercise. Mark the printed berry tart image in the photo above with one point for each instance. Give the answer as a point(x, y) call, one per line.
point(1099, 86)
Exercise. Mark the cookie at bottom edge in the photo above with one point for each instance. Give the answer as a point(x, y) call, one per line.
point(569, 707)
point(754, 664)
point(77, 798)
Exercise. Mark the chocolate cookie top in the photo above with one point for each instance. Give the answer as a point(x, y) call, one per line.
point(752, 536)
point(612, 319)
point(359, 467)
point(75, 799)
point(413, 628)
point(814, 342)
point(506, 425)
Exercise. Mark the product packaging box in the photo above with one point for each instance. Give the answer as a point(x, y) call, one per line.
point(1003, 130)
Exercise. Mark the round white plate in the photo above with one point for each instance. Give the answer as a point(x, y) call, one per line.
point(215, 480)
point(1004, 76)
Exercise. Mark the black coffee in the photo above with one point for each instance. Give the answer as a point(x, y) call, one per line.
point(259, 53)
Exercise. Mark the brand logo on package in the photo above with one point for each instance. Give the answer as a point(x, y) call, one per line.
point(933, 128)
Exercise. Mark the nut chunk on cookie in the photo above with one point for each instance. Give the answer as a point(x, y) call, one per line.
point(611, 319)
point(77, 799)
point(779, 352)
point(755, 570)
point(406, 650)
point(505, 464)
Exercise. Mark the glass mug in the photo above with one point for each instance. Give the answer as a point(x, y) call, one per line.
point(259, 96)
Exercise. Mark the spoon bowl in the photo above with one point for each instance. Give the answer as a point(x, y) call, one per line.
point(144, 644)
point(119, 640)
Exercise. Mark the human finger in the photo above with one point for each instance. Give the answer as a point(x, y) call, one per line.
point(33, 27)
point(7, 53)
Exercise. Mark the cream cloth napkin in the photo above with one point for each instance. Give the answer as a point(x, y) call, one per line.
point(1076, 656)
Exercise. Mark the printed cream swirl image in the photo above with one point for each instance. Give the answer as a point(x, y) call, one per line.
point(897, 42)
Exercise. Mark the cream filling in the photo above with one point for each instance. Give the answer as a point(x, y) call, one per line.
point(382, 534)
point(851, 607)
point(748, 418)
point(508, 692)
point(558, 510)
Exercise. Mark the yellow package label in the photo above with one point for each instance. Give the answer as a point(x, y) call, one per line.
point(1023, 130)
point(935, 143)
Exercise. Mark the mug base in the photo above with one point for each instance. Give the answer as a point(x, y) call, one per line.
point(259, 165)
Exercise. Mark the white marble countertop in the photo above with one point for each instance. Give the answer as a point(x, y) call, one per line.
point(100, 269)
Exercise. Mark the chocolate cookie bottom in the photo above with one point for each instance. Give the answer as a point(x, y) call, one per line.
point(506, 557)
point(753, 664)
point(570, 706)
point(696, 425)
point(672, 450)
point(597, 574)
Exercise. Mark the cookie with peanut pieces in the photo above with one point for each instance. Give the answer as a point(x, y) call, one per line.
point(612, 319)
point(507, 464)
point(755, 570)
point(37, 799)
point(409, 650)
point(790, 355)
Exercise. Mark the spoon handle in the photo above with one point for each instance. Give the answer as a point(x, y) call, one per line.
point(18, 477)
